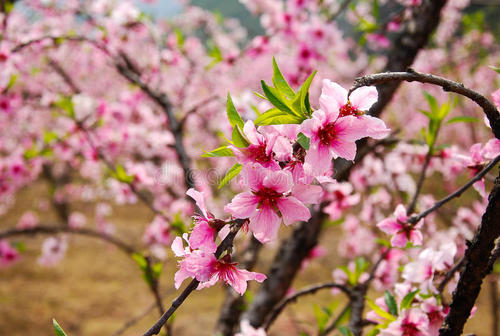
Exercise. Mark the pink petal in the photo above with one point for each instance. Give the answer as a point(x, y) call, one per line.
point(400, 213)
point(243, 205)
point(416, 237)
point(364, 97)
point(318, 160)
point(253, 176)
point(179, 277)
point(308, 194)
point(310, 126)
point(374, 127)
point(351, 128)
point(293, 210)
point(389, 226)
point(333, 97)
point(280, 181)
point(251, 133)
point(399, 240)
point(344, 149)
point(202, 237)
point(199, 199)
point(178, 247)
point(265, 225)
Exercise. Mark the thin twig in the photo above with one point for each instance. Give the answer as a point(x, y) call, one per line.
point(416, 218)
point(44, 229)
point(306, 291)
point(420, 183)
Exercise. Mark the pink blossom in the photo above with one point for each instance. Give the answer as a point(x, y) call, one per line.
point(8, 254)
point(205, 268)
point(401, 231)
point(77, 220)
point(270, 192)
point(411, 322)
point(53, 251)
point(260, 149)
point(158, 232)
point(334, 128)
point(28, 220)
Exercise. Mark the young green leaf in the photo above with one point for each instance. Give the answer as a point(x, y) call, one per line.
point(280, 82)
point(275, 116)
point(231, 173)
point(408, 299)
point(277, 99)
point(382, 313)
point(305, 105)
point(391, 303)
point(345, 331)
point(433, 103)
point(232, 113)
point(239, 138)
point(303, 141)
point(497, 70)
point(462, 119)
point(57, 328)
point(219, 152)
point(121, 175)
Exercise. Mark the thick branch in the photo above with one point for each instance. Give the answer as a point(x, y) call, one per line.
point(477, 266)
point(414, 36)
point(284, 268)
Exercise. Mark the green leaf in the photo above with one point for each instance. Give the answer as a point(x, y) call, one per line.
point(345, 331)
point(275, 116)
point(180, 37)
point(57, 328)
point(239, 138)
point(391, 303)
point(66, 104)
point(375, 9)
point(232, 114)
point(321, 317)
point(219, 152)
point(497, 70)
point(303, 141)
point(462, 119)
point(277, 99)
point(12, 81)
point(373, 332)
point(433, 103)
point(49, 136)
point(280, 82)
point(382, 313)
point(303, 96)
point(408, 299)
point(121, 175)
point(178, 225)
point(351, 276)
point(140, 260)
point(156, 270)
point(231, 173)
point(361, 266)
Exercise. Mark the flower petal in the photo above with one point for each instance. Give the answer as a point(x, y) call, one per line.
point(265, 225)
point(293, 210)
point(364, 97)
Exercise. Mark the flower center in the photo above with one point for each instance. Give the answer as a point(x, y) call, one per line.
point(409, 329)
point(349, 110)
point(258, 153)
point(268, 196)
point(327, 134)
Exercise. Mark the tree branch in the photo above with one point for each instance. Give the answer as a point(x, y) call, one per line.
point(448, 85)
point(44, 229)
point(477, 266)
point(415, 218)
point(306, 291)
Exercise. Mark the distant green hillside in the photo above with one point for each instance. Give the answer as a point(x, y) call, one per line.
point(233, 8)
